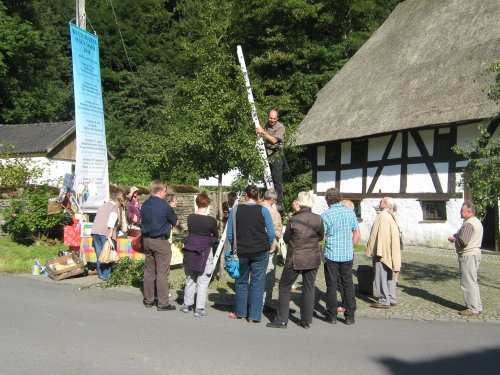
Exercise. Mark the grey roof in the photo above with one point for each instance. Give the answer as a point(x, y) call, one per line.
point(421, 67)
point(36, 138)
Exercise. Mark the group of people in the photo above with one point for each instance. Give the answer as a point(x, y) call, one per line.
point(254, 229)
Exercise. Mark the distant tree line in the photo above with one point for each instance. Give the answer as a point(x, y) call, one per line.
point(175, 103)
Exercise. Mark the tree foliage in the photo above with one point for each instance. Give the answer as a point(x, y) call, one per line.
point(482, 174)
point(174, 101)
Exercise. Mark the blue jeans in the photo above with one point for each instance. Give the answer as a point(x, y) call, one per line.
point(104, 269)
point(249, 296)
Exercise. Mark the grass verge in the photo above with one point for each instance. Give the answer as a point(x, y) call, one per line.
point(16, 258)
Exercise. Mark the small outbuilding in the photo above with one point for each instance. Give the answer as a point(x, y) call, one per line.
point(51, 146)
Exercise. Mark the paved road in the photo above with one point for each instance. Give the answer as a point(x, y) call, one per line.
point(55, 328)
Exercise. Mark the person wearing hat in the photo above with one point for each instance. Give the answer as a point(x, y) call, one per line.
point(133, 209)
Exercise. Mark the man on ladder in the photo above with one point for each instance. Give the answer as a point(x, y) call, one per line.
point(274, 134)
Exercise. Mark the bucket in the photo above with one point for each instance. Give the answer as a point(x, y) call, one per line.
point(35, 270)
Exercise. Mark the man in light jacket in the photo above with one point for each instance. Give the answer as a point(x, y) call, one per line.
point(384, 246)
point(468, 246)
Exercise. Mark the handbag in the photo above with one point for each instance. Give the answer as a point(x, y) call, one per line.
point(232, 261)
point(137, 244)
point(108, 253)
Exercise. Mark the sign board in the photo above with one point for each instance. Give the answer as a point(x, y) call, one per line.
point(91, 170)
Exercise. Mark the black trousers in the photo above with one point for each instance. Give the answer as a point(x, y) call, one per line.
point(288, 277)
point(333, 272)
point(276, 167)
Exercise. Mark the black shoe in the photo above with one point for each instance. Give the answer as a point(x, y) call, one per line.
point(148, 304)
point(166, 308)
point(332, 319)
point(349, 321)
point(305, 325)
point(276, 325)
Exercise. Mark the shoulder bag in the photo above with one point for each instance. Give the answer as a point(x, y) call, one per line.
point(232, 261)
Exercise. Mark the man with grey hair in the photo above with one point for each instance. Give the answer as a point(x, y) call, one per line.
point(468, 246)
point(384, 248)
point(270, 198)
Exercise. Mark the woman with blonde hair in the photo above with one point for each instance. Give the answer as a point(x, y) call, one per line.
point(303, 234)
point(104, 227)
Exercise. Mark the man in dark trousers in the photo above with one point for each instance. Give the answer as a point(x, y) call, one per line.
point(157, 219)
point(274, 135)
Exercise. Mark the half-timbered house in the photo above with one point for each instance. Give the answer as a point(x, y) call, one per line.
point(386, 122)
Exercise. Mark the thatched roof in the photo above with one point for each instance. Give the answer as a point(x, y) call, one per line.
point(36, 138)
point(422, 67)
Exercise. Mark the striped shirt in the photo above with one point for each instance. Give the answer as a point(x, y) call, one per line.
point(464, 235)
point(339, 223)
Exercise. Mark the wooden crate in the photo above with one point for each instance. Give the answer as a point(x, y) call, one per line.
point(65, 275)
point(54, 270)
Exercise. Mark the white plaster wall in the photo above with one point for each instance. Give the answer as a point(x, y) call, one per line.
point(345, 153)
point(53, 170)
point(415, 231)
point(396, 147)
point(389, 180)
point(320, 205)
point(442, 172)
point(466, 133)
point(412, 147)
point(458, 178)
point(370, 173)
point(419, 180)
point(376, 147)
point(325, 180)
point(321, 155)
point(351, 181)
point(428, 139)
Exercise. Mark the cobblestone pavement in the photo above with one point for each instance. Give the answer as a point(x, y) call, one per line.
point(428, 289)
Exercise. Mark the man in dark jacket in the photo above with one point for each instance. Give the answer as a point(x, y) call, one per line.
point(157, 219)
point(303, 233)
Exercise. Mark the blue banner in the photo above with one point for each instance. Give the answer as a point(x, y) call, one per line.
point(91, 171)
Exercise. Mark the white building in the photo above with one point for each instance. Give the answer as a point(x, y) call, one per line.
point(50, 146)
point(385, 123)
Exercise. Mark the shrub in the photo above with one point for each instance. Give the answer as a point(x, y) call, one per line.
point(26, 220)
point(127, 272)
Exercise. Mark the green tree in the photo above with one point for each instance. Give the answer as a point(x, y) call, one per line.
point(35, 69)
point(482, 174)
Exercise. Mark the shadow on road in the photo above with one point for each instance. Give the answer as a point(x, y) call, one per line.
point(484, 362)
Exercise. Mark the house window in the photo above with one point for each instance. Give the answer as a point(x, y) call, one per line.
point(359, 151)
point(356, 206)
point(434, 210)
